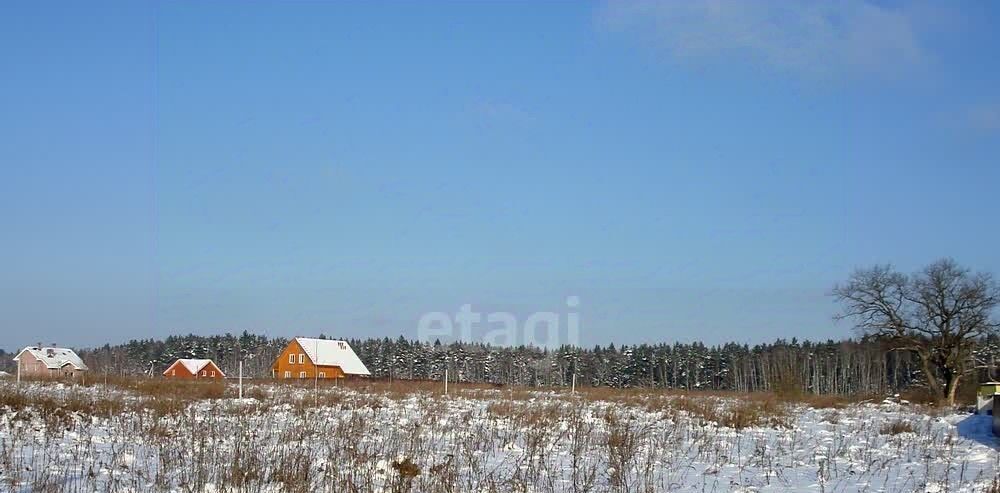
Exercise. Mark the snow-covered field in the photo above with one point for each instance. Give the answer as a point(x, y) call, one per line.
point(58, 438)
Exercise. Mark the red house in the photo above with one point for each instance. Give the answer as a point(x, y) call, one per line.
point(194, 368)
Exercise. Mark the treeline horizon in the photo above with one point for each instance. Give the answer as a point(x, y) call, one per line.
point(847, 366)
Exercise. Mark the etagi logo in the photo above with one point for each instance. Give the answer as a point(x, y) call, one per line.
point(542, 329)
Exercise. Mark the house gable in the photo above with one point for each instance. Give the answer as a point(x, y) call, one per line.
point(329, 352)
point(294, 362)
point(210, 368)
point(194, 369)
point(177, 370)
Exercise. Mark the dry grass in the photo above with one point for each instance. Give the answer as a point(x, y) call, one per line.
point(403, 436)
point(756, 410)
point(994, 486)
point(727, 409)
point(896, 428)
point(158, 397)
point(181, 389)
point(406, 468)
point(761, 412)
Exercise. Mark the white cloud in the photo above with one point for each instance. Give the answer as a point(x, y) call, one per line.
point(805, 38)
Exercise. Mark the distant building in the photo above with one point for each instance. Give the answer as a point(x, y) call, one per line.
point(49, 362)
point(194, 368)
point(984, 397)
point(318, 358)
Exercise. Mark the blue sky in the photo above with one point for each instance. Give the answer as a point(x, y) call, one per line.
point(690, 170)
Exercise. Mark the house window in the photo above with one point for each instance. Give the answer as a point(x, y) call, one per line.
point(213, 373)
point(203, 373)
point(288, 374)
point(302, 358)
point(302, 374)
point(322, 374)
point(173, 373)
point(291, 359)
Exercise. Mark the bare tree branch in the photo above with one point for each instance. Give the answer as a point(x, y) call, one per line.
point(938, 313)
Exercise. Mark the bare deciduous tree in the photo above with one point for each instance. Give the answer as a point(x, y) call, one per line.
point(938, 313)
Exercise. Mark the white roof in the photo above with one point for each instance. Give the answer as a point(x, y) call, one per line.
point(194, 365)
point(54, 357)
point(333, 353)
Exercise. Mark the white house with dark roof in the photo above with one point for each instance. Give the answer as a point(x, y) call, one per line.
point(49, 362)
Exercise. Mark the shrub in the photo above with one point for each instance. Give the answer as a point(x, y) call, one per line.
point(896, 427)
point(186, 389)
point(919, 395)
point(406, 468)
point(752, 413)
point(13, 399)
point(407, 471)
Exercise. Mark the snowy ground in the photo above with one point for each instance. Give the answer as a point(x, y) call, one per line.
point(477, 441)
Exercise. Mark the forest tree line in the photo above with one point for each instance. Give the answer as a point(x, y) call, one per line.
point(831, 367)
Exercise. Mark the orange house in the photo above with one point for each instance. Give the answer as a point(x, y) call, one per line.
point(317, 358)
point(194, 368)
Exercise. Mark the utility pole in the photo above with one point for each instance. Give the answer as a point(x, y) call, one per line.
point(19, 370)
point(510, 381)
point(316, 373)
point(446, 380)
point(573, 385)
point(241, 379)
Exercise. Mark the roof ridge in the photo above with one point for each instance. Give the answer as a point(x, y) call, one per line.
point(333, 352)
